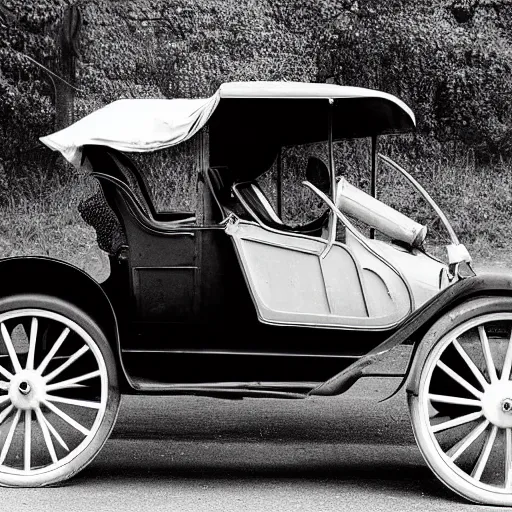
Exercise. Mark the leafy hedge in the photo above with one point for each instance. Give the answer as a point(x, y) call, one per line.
point(449, 60)
point(451, 63)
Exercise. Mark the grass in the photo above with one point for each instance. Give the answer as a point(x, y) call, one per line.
point(476, 199)
point(47, 223)
point(41, 218)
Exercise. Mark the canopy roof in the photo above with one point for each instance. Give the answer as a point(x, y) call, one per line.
point(243, 116)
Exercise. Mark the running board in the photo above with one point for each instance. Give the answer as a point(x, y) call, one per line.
point(344, 380)
point(233, 390)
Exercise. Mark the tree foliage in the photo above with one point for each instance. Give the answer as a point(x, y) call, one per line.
point(450, 60)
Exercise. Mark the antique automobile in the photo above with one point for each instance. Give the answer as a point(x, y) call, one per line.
point(230, 300)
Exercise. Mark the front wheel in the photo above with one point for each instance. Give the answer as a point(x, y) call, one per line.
point(461, 412)
point(59, 395)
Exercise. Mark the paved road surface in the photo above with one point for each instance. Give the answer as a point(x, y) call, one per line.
point(199, 454)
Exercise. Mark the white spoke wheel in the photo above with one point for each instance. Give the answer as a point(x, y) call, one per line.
point(59, 394)
point(461, 406)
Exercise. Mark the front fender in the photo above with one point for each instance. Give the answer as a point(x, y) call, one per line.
point(464, 311)
point(418, 323)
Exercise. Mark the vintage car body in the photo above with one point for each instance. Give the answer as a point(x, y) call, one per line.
point(230, 301)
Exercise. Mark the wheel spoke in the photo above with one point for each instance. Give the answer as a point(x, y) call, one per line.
point(8, 375)
point(55, 434)
point(6, 413)
point(454, 400)
point(67, 418)
point(484, 454)
point(508, 458)
point(69, 383)
point(10, 435)
point(471, 365)
point(28, 440)
point(32, 344)
point(507, 364)
point(42, 367)
point(4, 399)
point(459, 448)
point(46, 435)
point(456, 377)
point(10, 348)
point(69, 362)
point(487, 354)
point(457, 421)
point(72, 401)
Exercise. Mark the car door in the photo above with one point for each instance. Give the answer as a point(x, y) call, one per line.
point(294, 281)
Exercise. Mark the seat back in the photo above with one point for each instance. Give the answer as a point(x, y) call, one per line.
point(135, 180)
point(107, 161)
point(220, 181)
point(257, 204)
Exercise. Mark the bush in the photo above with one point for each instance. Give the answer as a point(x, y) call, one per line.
point(451, 64)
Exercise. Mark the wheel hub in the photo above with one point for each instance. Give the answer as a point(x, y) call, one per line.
point(24, 387)
point(497, 404)
point(506, 405)
point(27, 390)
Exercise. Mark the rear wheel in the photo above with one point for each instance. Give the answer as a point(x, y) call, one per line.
point(462, 413)
point(59, 395)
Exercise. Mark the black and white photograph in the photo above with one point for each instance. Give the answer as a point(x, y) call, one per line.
point(255, 255)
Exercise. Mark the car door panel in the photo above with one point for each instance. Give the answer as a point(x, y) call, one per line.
point(292, 284)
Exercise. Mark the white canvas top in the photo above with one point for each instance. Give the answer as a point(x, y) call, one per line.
point(138, 125)
point(303, 90)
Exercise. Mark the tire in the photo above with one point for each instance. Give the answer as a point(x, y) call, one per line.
point(59, 394)
point(468, 367)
